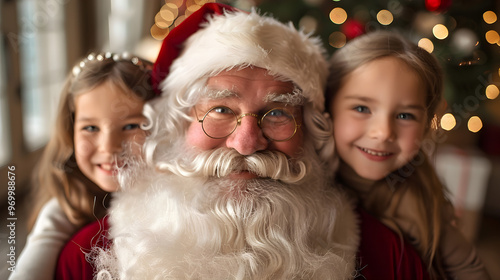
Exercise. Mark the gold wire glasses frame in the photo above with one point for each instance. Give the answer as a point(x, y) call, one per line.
point(220, 122)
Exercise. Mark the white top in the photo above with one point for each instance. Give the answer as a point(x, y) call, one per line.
point(50, 233)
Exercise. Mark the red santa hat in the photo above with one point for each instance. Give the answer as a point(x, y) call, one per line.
point(218, 37)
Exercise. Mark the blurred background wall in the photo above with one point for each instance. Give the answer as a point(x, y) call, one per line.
point(42, 39)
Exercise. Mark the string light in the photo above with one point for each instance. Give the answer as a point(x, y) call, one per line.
point(489, 17)
point(161, 22)
point(426, 44)
point(169, 12)
point(158, 33)
point(338, 15)
point(440, 31)
point(179, 20)
point(474, 124)
point(172, 14)
point(177, 3)
point(469, 62)
point(385, 17)
point(448, 121)
point(191, 9)
point(492, 92)
point(492, 37)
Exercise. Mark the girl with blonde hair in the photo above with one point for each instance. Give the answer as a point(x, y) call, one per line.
point(384, 92)
point(97, 132)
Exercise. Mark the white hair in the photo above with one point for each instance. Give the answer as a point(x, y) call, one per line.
point(179, 217)
point(166, 226)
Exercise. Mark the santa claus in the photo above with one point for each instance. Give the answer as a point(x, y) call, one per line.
point(235, 181)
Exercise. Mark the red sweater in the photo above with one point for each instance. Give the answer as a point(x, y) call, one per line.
point(382, 254)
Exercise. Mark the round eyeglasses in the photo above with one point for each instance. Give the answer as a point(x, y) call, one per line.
point(278, 124)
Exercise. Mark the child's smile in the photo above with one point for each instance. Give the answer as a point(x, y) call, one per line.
point(376, 155)
point(107, 126)
point(379, 117)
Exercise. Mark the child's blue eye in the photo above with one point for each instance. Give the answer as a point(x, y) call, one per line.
point(362, 109)
point(406, 116)
point(131, 126)
point(91, 128)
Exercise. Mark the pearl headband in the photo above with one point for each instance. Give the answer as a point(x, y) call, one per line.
point(144, 65)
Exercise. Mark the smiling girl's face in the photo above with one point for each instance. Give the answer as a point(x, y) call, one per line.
point(379, 117)
point(107, 122)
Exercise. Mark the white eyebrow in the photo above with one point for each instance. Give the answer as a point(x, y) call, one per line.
point(220, 94)
point(294, 99)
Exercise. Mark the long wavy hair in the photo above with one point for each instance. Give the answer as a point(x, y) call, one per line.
point(57, 173)
point(422, 184)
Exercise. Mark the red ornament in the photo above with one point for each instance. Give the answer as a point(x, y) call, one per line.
point(352, 28)
point(437, 5)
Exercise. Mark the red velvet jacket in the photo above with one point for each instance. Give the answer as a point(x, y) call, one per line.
point(382, 254)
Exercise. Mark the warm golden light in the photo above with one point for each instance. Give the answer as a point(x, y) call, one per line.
point(338, 15)
point(167, 15)
point(492, 37)
point(191, 9)
point(385, 17)
point(474, 124)
point(201, 2)
point(337, 39)
point(176, 3)
point(158, 33)
point(161, 22)
point(492, 91)
point(426, 44)
point(440, 31)
point(490, 17)
point(448, 121)
point(179, 20)
point(169, 12)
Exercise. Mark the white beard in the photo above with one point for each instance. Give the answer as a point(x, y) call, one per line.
point(166, 226)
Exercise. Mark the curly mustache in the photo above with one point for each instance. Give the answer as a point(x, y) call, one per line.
point(221, 162)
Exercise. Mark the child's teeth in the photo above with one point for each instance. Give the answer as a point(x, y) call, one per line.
point(375, 153)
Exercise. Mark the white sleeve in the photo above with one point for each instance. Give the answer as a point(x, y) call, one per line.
point(49, 234)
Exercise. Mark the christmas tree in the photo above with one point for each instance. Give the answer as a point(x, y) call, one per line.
point(461, 34)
